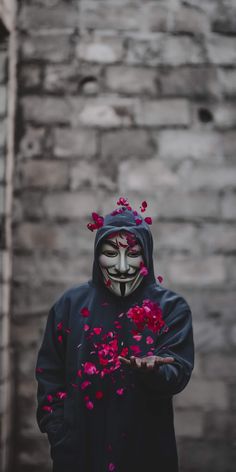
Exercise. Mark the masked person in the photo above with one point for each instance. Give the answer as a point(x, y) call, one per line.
point(114, 352)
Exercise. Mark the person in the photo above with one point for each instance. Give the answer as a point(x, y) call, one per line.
point(114, 352)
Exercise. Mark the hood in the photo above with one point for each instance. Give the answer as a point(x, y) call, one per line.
point(125, 221)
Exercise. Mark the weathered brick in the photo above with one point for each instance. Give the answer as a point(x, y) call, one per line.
point(131, 80)
point(217, 238)
point(72, 79)
point(150, 175)
point(2, 168)
point(30, 77)
point(205, 394)
point(30, 299)
point(121, 15)
point(32, 142)
point(124, 144)
point(221, 49)
point(104, 50)
point(103, 112)
point(196, 271)
point(180, 144)
point(227, 80)
point(225, 115)
point(221, 425)
point(155, 16)
point(46, 110)
point(173, 237)
point(228, 206)
point(177, 50)
point(145, 50)
point(41, 17)
point(53, 48)
point(189, 423)
point(3, 100)
point(3, 66)
point(190, 20)
point(219, 365)
point(224, 19)
point(189, 81)
point(210, 336)
point(74, 142)
point(44, 174)
point(160, 113)
point(68, 205)
point(204, 178)
point(229, 145)
point(2, 133)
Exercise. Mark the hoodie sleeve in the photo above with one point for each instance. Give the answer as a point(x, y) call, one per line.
point(50, 374)
point(177, 342)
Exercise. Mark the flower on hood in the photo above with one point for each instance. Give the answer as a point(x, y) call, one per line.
point(138, 221)
point(143, 269)
point(148, 220)
point(160, 278)
point(124, 202)
point(143, 206)
point(98, 221)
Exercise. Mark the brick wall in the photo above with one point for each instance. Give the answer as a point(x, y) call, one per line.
point(133, 98)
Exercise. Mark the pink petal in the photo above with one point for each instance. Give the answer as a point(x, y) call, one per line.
point(120, 391)
point(148, 220)
point(160, 278)
point(111, 467)
point(59, 326)
point(138, 221)
point(99, 395)
point(85, 312)
point(149, 340)
point(89, 405)
point(86, 327)
point(47, 408)
point(97, 330)
point(49, 398)
point(60, 339)
point(85, 384)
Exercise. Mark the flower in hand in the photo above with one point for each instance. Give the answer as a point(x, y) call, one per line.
point(146, 362)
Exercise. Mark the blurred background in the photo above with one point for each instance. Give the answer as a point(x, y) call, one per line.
point(108, 98)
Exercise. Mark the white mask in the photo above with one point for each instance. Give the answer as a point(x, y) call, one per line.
point(120, 264)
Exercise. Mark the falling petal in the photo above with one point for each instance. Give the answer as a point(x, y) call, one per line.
point(99, 395)
point(85, 312)
point(149, 340)
point(148, 220)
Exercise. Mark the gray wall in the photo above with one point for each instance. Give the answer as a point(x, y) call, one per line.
point(133, 98)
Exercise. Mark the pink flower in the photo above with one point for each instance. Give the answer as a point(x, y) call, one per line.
point(47, 408)
point(49, 398)
point(120, 391)
point(85, 312)
point(85, 384)
point(148, 220)
point(99, 395)
point(89, 405)
point(59, 326)
point(97, 330)
point(61, 395)
point(143, 269)
point(123, 201)
point(149, 340)
point(138, 221)
point(90, 368)
point(143, 206)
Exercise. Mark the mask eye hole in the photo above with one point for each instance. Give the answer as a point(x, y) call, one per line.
point(134, 253)
point(109, 253)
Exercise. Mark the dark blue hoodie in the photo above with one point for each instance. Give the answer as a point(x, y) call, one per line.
point(131, 428)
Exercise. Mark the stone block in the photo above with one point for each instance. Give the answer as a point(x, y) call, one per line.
point(228, 206)
point(208, 395)
point(195, 271)
point(199, 145)
point(145, 49)
point(221, 49)
point(209, 336)
point(163, 113)
point(2, 133)
point(150, 175)
point(47, 48)
point(225, 116)
point(227, 80)
point(189, 423)
point(82, 175)
point(190, 20)
point(3, 100)
point(176, 237)
point(131, 80)
point(155, 16)
point(32, 142)
point(219, 426)
point(106, 15)
point(73, 78)
point(219, 365)
point(181, 50)
point(3, 66)
point(43, 17)
point(204, 454)
point(44, 174)
point(30, 77)
point(202, 178)
point(74, 142)
point(223, 21)
point(189, 81)
point(103, 112)
point(70, 205)
point(125, 144)
point(46, 110)
point(104, 50)
point(2, 168)
point(32, 299)
point(217, 238)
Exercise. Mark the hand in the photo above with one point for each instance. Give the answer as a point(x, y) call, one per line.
point(147, 362)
